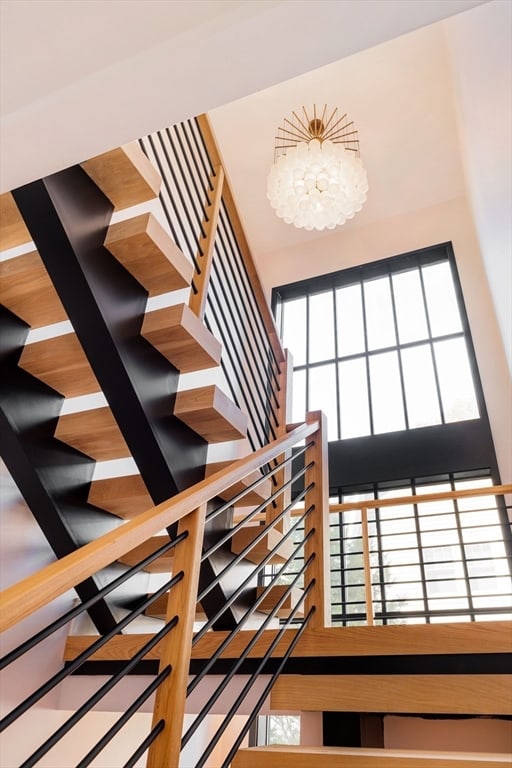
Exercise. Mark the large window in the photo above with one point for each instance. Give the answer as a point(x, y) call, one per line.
point(380, 348)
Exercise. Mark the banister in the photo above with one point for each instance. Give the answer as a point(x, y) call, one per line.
point(35, 591)
point(227, 196)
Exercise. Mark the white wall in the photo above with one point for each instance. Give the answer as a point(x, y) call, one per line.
point(451, 221)
point(480, 44)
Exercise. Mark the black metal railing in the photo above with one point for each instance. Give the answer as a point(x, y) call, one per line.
point(70, 668)
point(235, 665)
point(232, 311)
point(189, 511)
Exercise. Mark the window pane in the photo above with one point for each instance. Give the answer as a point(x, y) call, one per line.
point(443, 310)
point(386, 389)
point(354, 406)
point(409, 305)
point(322, 396)
point(321, 327)
point(420, 386)
point(380, 324)
point(294, 329)
point(349, 313)
point(299, 396)
point(455, 381)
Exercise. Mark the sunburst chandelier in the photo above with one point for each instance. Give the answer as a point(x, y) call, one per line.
point(317, 180)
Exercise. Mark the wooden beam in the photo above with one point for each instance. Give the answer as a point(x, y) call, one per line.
point(395, 639)
point(176, 646)
point(278, 756)
point(211, 413)
point(428, 694)
point(204, 260)
point(27, 290)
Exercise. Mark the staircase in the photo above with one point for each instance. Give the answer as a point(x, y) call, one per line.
point(107, 389)
point(113, 385)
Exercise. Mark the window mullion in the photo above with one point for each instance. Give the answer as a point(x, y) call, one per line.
point(431, 345)
point(421, 560)
point(398, 351)
point(367, 360)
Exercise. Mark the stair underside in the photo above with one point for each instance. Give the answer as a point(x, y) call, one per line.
point(13, 231)
point(125, 496)
point(210, 413)
point(182, 338)
point(350, 757)
point(93, 432)
point(61, 363)
point(147, 251)
point(244, 536)
point(28, 292)
point(162, 564)
point(254, 497)
point(273, 597)
point(158, 609)
point(429, 694)
point(124, 175)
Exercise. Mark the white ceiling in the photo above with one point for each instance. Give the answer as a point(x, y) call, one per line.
point(399, 95)
point(80, 77)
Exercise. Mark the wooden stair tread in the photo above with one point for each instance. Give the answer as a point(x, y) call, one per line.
point(277, 756)
point(244, 536)
point(182, 338)
point(274, 595)
point(125, 496)
point(61, 363)
point(428, 694)
point(210, 413)
point(94, 432)
point(27, 291)
point(13, 231)
point(158, 609)
point(162, 564)
point(148, 252)
point(124, 175)
point(258, 494)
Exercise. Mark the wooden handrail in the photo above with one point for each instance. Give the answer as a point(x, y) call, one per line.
point(227, 196)
point(35, 591)
point(197, 302)
point(491, 490)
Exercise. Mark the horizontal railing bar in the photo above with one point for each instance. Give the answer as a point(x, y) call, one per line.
point(76, 663)
point(58, 623)
point(97, 696)
point(145, 744)
point(241, 658)
point(256, 511)
point(137, 704)
point(247, 615)
point(492, 490)
point(267, 690)
point(245, 690)
point(246, 581)
point(25, 597)
point(240, 556)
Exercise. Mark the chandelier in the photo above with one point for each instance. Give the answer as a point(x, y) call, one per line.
point(317, 180)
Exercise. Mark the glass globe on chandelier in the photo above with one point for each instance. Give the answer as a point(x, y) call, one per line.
point(317, 180)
